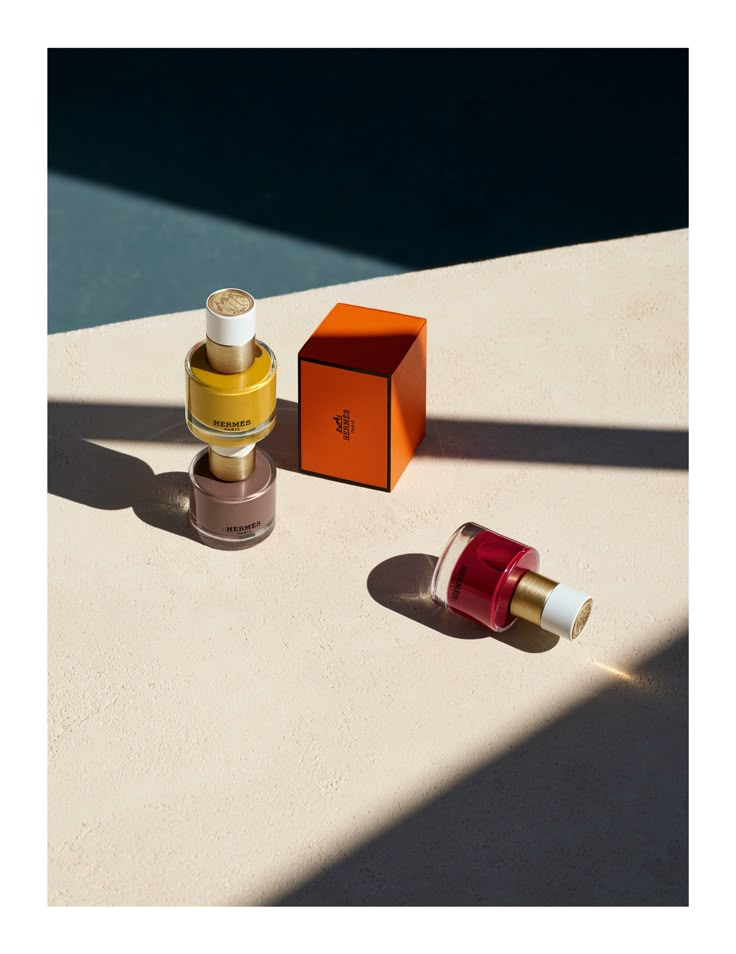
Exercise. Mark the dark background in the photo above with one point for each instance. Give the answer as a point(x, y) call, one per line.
point(177, 171)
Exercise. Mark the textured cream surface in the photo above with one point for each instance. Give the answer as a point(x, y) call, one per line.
point(222, 726)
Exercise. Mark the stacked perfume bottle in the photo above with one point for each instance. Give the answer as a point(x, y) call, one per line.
point(231, 406)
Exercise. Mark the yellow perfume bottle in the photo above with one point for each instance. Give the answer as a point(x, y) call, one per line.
point(231, 385)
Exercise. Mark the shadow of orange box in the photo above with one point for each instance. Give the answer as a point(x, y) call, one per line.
point(362, 395)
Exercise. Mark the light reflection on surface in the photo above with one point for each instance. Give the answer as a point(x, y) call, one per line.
point(626, 676)
point(632, 679)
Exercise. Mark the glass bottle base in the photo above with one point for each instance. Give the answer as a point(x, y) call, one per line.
point(232, 515)
point(448, 559)
point(478, 572)
point(219, 542)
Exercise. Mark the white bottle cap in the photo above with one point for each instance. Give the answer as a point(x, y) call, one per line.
point(231, 317)
point(566, 611)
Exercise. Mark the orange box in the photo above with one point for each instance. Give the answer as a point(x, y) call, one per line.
point(362, 395)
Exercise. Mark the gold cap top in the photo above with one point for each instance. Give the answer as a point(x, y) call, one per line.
point(581, 619)
point(230, 302)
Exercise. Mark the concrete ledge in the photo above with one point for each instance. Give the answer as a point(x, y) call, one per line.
point(296, 722)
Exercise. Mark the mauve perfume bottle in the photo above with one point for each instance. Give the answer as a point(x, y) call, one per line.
point(493, 579)
point(232, 514)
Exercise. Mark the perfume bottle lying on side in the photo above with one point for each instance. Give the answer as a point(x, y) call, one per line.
point(493, 579)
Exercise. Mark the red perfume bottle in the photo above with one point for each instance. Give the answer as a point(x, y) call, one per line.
point(493, 579)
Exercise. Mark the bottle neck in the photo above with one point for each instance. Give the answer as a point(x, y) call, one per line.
point(232, 467)
point(531, 593)
point(230, 359)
